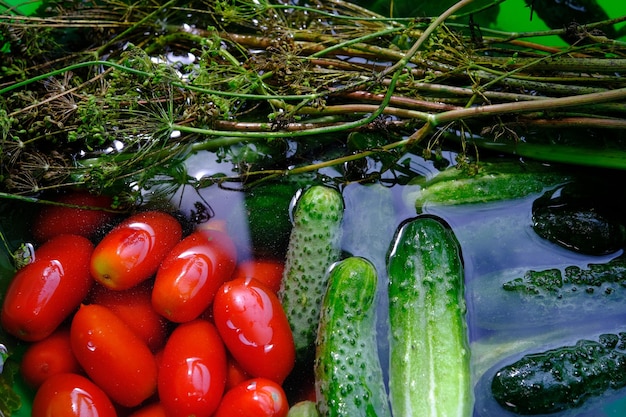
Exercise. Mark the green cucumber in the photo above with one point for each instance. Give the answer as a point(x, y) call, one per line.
point(584, 216)
point(606, 278)
point(348, 373)
point(429, 363)
point(267, 211)
point(562, 378)
point(304, 408)
point(498, 181)
point(314, 245)
point(525, 298)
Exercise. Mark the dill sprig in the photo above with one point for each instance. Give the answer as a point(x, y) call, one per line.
point(113, 97)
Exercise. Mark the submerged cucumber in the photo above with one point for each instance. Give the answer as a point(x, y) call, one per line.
point(606, 279)
point(429, 369)
point(562, 378)
point(348, 374)
point(520, 298)
point(314, 245)
point(492, 182)
point(267, 208)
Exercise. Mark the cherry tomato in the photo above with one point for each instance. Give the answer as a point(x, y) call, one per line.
point(235, 374)
point(50, 356)
point(254, 328)
point(191, 273)
point(134, 307)
point(70, 395)
point(268, 271)
point(258, 397)
point(44, 293)
point(113, 356)
point(58, 220)
point(151, 410)
point(192, 374)
point(133, 250)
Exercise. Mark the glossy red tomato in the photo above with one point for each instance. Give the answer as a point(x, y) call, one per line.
point(254, 328)
point(133, 250)
point(57, 220)
point(113, 356)
point(235, 374)
point(134, 307)
point(50, 356)
point(44, 293)
point(258, 397)
point(191, 273)
point(192, 374)
point(71, 395)
point(151, 410)
point(268, 271)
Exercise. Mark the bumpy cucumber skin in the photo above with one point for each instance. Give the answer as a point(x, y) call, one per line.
point(348, 374)
point(606, 279)
point(519, 298)
point(429, 369)
point(314, 245)
point(493, 182)
point(562, 378)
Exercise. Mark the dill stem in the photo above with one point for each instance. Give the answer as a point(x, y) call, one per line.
point(527, 106)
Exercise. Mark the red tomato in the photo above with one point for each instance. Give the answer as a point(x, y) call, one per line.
point(254, 328)
point(268, 271)
point(235, 374)
point(113, 356)
point(193, 370)
point(58, 220)
point(134, 307)
point(45, 292)
point(50, 356)
point(258, 397)
point(191, 273)
point(70, 395)
point(133, 250)
point(151, 410)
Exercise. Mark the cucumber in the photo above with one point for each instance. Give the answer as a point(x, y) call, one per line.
point(582, 216)
point(519, 298)
point(606, 278)
point(267, 207)
point(498, 181)
point(429, 369)
point(562, 378)
point(304, 408)
point(348, 373)
point(314, 245)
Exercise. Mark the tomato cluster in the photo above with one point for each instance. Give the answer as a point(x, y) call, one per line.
point(145, 321)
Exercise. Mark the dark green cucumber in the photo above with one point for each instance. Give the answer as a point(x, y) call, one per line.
point(348, 374)
point(429, 367)
point(562, 378)
point(582, 216)
point(267, 208)
point(606, 279)
point(314, 245)
point(522, 298)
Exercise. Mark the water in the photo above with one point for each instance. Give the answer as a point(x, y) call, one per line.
point(495, 238)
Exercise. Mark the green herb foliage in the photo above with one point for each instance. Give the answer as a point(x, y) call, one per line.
point(114, 97)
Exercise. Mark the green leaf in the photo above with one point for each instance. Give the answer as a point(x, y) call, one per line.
point(10, 401)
